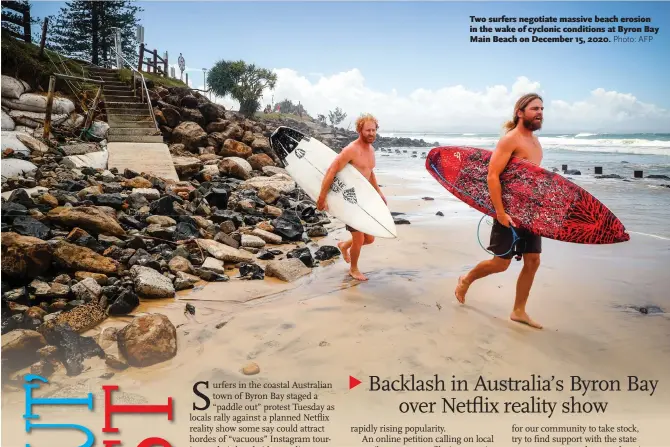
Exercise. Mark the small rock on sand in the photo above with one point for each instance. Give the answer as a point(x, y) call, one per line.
point(251, 369)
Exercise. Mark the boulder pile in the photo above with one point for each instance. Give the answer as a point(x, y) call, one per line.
point(83, 243)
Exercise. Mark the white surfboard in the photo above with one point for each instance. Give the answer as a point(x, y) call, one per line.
point(351, 198)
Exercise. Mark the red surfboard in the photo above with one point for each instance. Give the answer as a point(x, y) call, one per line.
point(540, 201)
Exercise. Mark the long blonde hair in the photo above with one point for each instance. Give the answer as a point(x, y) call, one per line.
point(520, 105)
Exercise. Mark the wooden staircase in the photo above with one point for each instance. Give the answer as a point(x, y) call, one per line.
point(129, 119)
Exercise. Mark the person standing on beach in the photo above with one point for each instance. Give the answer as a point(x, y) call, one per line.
point(518, 141)
point(361, 155)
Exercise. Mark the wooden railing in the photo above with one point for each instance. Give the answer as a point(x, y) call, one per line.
point(24, 20)
point(152, 65)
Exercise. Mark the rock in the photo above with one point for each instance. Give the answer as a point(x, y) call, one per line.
point(124, 303)
point(289, 226)
point(138, 183)
point(180, 264)
point(148, 340)
point(317, 231)
point(268, 194)
point(24, 256)
point(251, 271)
point(224, 252)
point(235, 167)
point(232, 148)
point(151, 284)
point(259, 161)
point(186, 167)
point(73, 349)
point(98, 277)
point(87, 290)
point(79, 148)
point(27, 226)
point(19, 348)
point(79, 319)
point(267, 236)
point(280, 182)
point(249, 240)
point(214, 265)
point(326, 252)
point(273, 170)
point(190, 134)
point(288, 270)
point(251, 369)
point(149, 194)
point(303, 254)
point(89, 218)
point(185, 281)
point(162, 221)
point(74, 257)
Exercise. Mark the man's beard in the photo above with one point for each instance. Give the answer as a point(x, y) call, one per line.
point(533, 124)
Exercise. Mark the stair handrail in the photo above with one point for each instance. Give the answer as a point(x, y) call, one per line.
point(144, 84)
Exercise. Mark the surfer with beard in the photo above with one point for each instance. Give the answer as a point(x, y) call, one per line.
point(519, 141)
point(361, 155)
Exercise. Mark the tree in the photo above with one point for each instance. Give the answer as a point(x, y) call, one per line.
point(336, 116)
point(243, 82)
point(321, 118)
point(85, 29)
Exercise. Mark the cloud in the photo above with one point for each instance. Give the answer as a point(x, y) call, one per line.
point(458, 109)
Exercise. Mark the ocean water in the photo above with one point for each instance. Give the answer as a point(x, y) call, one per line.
point(642, 204)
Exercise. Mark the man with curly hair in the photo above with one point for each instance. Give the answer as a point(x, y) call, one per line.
point(361, 155)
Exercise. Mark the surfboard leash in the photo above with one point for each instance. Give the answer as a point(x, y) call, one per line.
point(515, 236)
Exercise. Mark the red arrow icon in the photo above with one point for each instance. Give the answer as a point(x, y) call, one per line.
point(353, 382)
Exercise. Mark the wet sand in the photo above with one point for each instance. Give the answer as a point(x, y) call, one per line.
point(405, 320)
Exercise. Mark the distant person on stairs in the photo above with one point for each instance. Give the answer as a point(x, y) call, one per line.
point(519, 141)
point(361, 155)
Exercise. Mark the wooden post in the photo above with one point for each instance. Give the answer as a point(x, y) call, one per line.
point(27, 34)
point(165, 65)
point(187, 79)
point(50, 102)
point(637, 174)
point(155, 61)
point(141, 57)
point(44, 36)
point(91, 111)
point(599, 170)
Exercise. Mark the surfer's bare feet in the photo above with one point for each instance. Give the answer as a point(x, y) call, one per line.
point(356, 274)
point(461, 289)
point(345, 251)
point(521, 316)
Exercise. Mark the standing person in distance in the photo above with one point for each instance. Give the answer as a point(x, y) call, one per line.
point(361, 155)
point(519, 141)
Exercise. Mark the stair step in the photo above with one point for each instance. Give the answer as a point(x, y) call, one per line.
point(118, 90)
point(134, 139)
point(106, 78)
point(126, 104)
point(132, 131)
point(120, 99)
point(143, 124)
point(128, 112)
point(117, 120)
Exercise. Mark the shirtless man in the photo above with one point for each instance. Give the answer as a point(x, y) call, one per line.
point(519, 141)
point(361, 155)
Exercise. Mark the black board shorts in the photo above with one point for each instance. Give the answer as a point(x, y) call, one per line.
point(502, 238)
point(351, 229)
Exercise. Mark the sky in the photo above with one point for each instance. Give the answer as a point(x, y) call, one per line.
point(413, 66)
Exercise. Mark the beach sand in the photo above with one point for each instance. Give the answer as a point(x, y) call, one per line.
point(404, 320)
